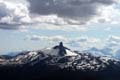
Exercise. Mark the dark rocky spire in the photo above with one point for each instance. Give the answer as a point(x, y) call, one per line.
point(61, 48)
point(61, 44)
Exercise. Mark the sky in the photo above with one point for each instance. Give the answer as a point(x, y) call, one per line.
point(80, 24)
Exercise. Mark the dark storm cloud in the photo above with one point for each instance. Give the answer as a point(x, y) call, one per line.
point(70, 9)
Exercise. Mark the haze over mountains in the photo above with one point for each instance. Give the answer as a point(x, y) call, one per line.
point(110, 47)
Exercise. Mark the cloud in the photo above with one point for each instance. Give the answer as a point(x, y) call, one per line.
point(109, 14)
point(80, 11)
point(13, 16)
point(113, 41)
point(47, 38)
point(83, 43)
point(3, 10)
point(11, 26)
point(111, 46)
point(56, 14)
point(108, 29)
point(78, 42)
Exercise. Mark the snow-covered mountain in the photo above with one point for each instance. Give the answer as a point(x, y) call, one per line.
point(63, 58)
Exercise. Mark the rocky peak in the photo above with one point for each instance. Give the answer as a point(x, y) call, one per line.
point(62, 49)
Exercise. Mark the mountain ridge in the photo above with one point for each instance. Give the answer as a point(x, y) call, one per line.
point(61, 56)
point(57, 61)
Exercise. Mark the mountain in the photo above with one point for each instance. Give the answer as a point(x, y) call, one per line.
point(94, 51)
point(59, 61)
point(105, 51)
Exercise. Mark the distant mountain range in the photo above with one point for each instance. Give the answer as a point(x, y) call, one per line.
point(106, 51)
point(60, 62)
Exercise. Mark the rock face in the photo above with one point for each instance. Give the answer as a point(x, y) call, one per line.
point(57, 61)
point(61, 48)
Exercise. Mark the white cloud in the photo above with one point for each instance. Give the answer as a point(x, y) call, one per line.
point(48, 38)
point(113, 41)
point(109, 14)
point(12, 14)
point(49, 26)
point(108, 29)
